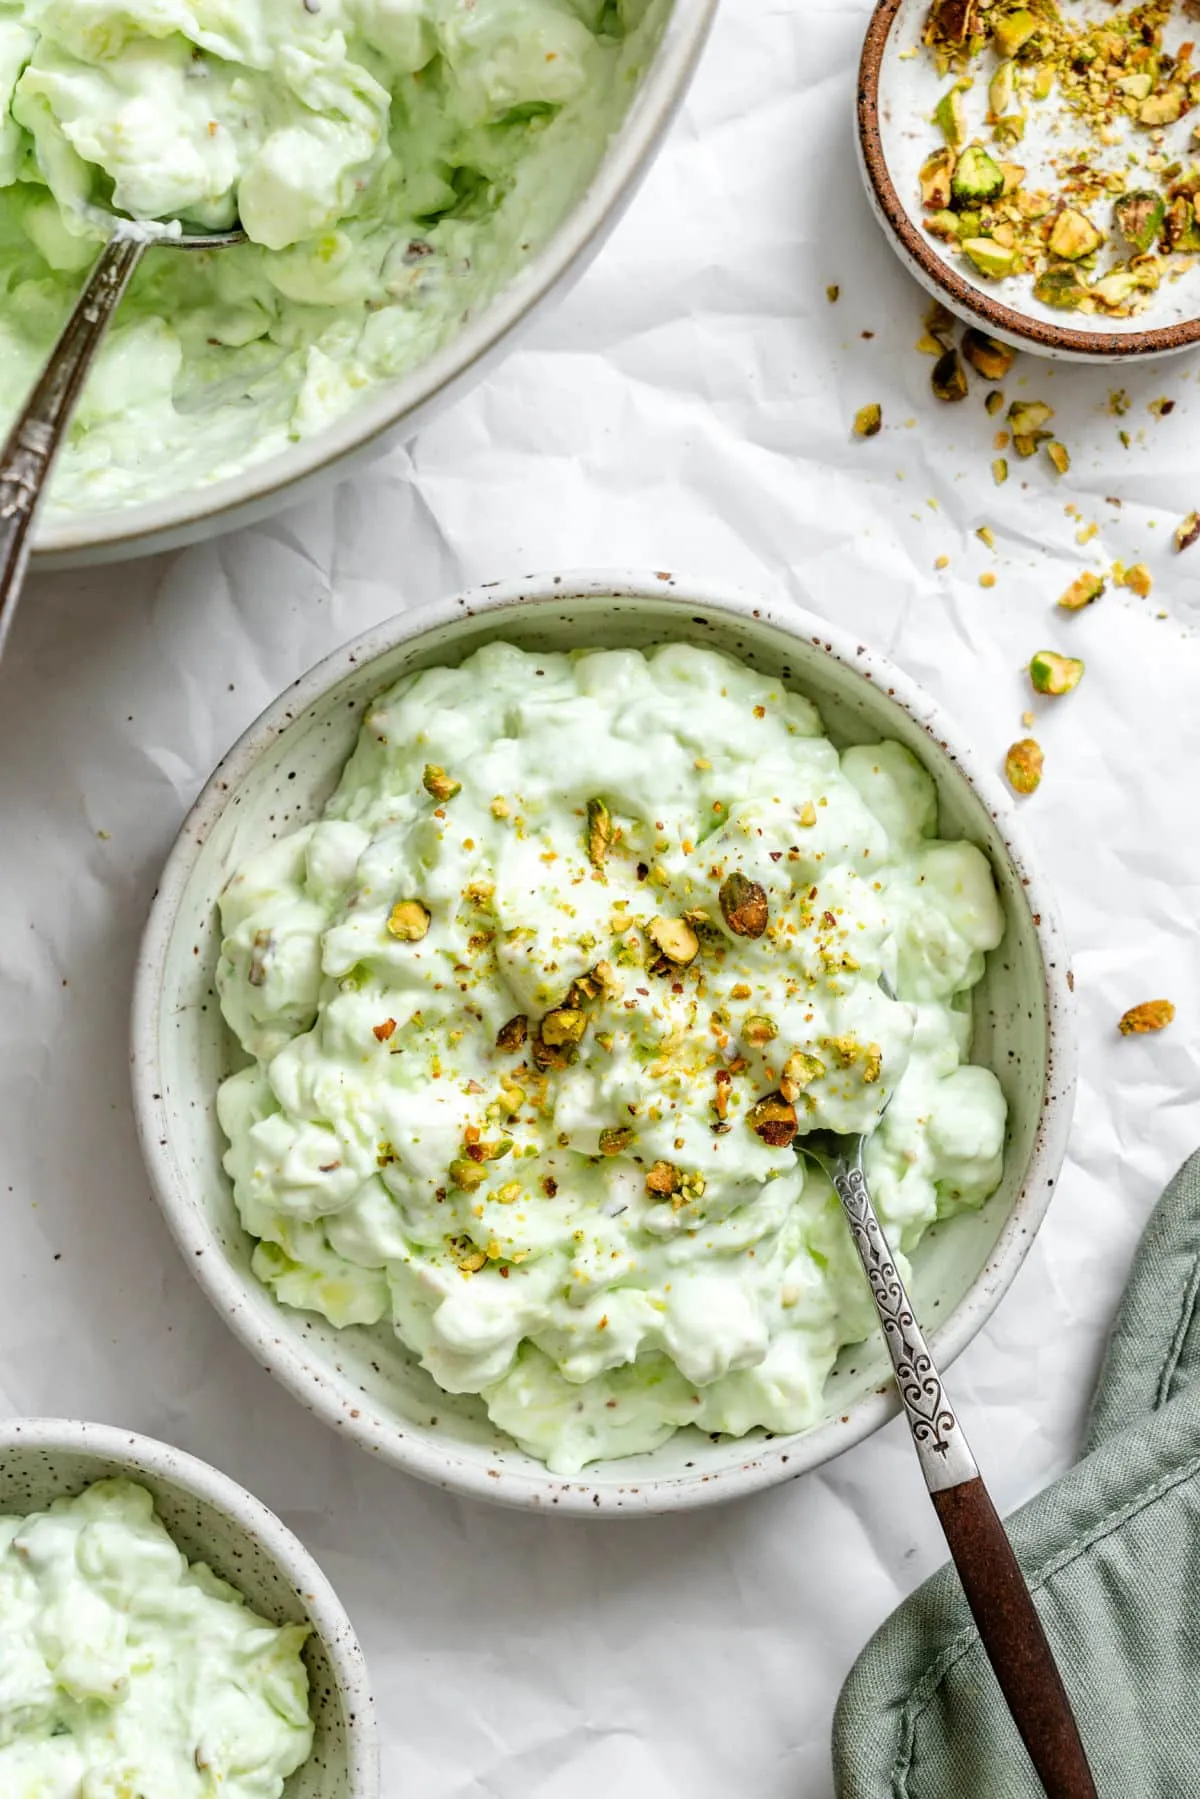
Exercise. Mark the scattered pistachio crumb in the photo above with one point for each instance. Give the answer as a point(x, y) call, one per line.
point(1188, 531)
point(986, 535)
point(987, 578)
point(1023, 765)
point(1140, 580)
point(868, 420)
point(942, 562)
point(833, 293)
point(1055, 674)
point(1000, 471)
point(1151, 1015)
point(1083, 590)
point(1058, 456)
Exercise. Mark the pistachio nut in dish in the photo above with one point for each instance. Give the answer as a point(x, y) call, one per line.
point(1062, 148)
point(393, 162)
point(539, 1008)
point(125, 1671)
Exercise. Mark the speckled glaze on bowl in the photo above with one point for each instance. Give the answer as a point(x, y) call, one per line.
point(396, 411)
point(214, 1520)
point(281, 773)
point(896, 93)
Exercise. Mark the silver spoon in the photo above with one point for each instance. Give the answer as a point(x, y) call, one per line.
point(1004, 1613)
point(33, 442)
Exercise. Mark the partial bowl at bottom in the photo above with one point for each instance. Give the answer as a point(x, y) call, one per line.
point(280, 775)
point(213, 1520)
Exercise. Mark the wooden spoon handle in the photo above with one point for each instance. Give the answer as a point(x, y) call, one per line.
point(1011, 1633)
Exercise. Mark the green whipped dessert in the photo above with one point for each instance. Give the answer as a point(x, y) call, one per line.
point(127, 1674)
point(394, 162)
point(539, 1012)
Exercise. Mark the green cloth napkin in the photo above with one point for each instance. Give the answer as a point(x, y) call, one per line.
point(1112, 1554)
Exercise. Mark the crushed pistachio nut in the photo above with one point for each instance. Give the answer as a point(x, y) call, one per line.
point(1000, 471)
point(987, 536)
point(1059, 456)
point(599, 832)
point(987, 578)
point(1023, 765)
point(758, 1029)
point(616, 1140)
point(260, 955)
point(408, 921)
point(1187, 531)
point(1151, 1015)
point(773, 1119)
point(675, 939)
point(799, 1071)
point(513, 1035)
point(438, 784)
point(808, 815)
point(993, 403)
point(743, 906)
point(868, 420)
point(1084, 589)
point(1139, 578)
point(987, 355)
point(949, 378)
point(663, 1179)
point(1054, 674)
point(467, 1175)
point(833, 293)
point(565, 1025)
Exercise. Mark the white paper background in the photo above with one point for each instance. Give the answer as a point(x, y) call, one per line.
point(688, 407)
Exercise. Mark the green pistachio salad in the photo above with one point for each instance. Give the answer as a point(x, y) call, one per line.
point(127, 1674)
point(540, 1008)
point(393, 161)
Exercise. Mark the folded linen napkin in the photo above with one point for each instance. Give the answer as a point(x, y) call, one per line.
point(1112, 1554)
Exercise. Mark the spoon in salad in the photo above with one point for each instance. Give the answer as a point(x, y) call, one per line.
point(33, 443)
point(1004, 1613)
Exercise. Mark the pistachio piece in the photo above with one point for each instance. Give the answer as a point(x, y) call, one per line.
point(986, 355)
point(743, 906)
point(1002, 89)
point(758, 1029)
point(1151, 1015)
point(951, 22)
point(1139, 578)
point(993, 402)
point(1060, 288)
point(950, 116)
point(1187, 531)
point(599, 832)
point(1023, 765)
point(1000, 471)
point(260, 955)
point(1073, 236)
point(1059, 456)
point(675, 939)
point(563, 1026)
point(1164, 108)
point(512, 1036)
point(1012, 31)
point(773, 1119)
point(990, 258)
point(934, 178)
point(977, 178)
point(1139, 217)
point(467, 1175)
point(1179, 225)
point(1083, 590)
point(868, 420)
point(799, 1071)
point(663, 1179)
point(616, 1140)
point(949, 378)
point(408, 921)
point(1051, 673)
point(438, 784)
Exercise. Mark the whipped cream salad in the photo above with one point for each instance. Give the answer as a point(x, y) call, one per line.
point(538, 1013)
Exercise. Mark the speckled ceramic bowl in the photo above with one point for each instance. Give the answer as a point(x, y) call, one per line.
point(897, 91)
point(280, 774)
point(214, 1520)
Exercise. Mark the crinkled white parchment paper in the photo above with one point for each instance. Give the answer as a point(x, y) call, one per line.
point(689, 407)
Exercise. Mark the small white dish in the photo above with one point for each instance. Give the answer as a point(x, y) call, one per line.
point(898, 88)
point(214, 1520)
point(280, 774)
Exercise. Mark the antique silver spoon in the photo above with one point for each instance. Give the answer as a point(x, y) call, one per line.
point(32, 444)
point(1004, 1613)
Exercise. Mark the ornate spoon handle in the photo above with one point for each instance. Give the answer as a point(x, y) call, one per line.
point(1001, 1605)
point(33, 442)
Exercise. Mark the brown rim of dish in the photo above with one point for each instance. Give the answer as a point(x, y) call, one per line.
point(917, 246)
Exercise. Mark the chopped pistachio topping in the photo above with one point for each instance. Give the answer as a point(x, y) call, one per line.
point(663, 1178)
point(1139, 578)
point(1084, 589)
point(986, 355)
point(565, 1025)
point(868, 420)
point(743, 906)
point(1023, 765)
point(1055, 674)
point(1187, 531)
point(758, 1029)
point(599, 832)
point(1059, 456)
point(438, 784)
point(467, 1175)
point(512, 1036)
point(799, 1071)
point(949, 378)
point(774, 1120)
point(675, 938)
point(408, 921)
point(616, 1139)
point(1151, 1015)
point(1000, 471)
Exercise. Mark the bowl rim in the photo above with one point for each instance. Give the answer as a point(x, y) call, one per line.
point(156, 524)
point(1038, 335)
point(255, 1520)
point(767, 1462)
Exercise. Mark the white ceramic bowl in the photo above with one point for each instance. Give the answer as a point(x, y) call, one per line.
point(398, 409)
point(214, 1520)
point(282, 772)
point(898, 88)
